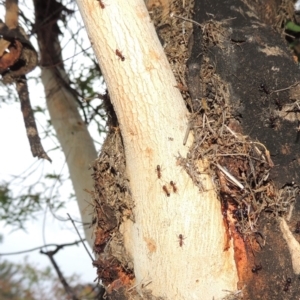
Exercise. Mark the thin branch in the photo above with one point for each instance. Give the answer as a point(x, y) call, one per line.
point(185, 19)
point(81, 238)
point(231, 177)
point(31, 129)
point(188, 129)
point(63, 281)
point(284, 89)
point(40, 247)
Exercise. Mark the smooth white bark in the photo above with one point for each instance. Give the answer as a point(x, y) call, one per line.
point(74, 139)
point(153, 120)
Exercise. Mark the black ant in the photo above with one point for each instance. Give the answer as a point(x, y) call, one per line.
point(278, 104)
point(256, 268)
point(287, 285)
point(263, 88)
point(273, 121)
point(240, 214)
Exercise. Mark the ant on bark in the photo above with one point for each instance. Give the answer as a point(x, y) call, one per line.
point(256, 268)
point(120, 55)
point(166, 190)
point(287, 284)
point(101, 4)
point(158, 171)
point(181, 238)
point(173, 185)
point(264, 88)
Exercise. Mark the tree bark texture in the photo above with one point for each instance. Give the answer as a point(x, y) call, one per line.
point(255, 61)
point(175, 237)
point(71, 130)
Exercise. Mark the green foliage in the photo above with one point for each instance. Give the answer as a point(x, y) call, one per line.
point(54, 176)
point(39, 109)
point(22, 281)
point(16, 210)
point(292, 27)
point(8, 94)
point(86, 82)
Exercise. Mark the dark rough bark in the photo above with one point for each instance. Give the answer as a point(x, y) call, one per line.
point(28, 116)
point(194, 67)
point(254, 71)
point(17, 58)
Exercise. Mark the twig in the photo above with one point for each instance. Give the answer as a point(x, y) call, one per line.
point(188, 129)
point(267, 153)
point(290, 212)
point(142, 284)
point(223, 123)
point(63, 281)
point(284, 89)
point(208, 126)
point(199, 144)
point(231, 131)
point(39, 248)
point(29, 120)
point(231, 177)
point(185, 19)
point(80, 237)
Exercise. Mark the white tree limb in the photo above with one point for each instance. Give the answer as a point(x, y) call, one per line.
point(153, 120)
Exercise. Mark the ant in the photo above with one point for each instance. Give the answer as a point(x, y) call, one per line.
point(166, 190)
point(173, 185)
point(263, 88)
point(273, 121)
point(120, 55)
point(256, 268)
point(158, 171)
point(101, 4)
point(287, 284)
point(278, 104)
point(239, 214)
point(297, 230)
point(181, 238)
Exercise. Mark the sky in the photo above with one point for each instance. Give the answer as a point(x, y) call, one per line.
point(16, 159)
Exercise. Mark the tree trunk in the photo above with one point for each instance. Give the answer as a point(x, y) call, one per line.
point(256, 64)
point(71, 130)
point(174, 235)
